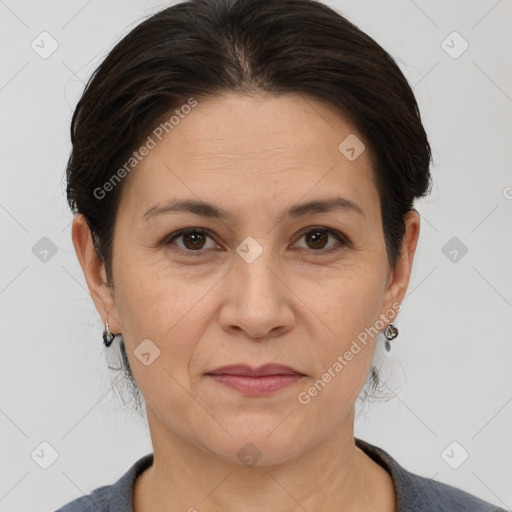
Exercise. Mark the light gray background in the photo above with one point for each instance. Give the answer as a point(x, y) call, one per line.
point(451, 367)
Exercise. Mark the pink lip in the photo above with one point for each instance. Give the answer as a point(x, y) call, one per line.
point(249, 371)
point(256, 381)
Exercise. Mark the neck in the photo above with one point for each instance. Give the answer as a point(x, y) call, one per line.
point(185, 477)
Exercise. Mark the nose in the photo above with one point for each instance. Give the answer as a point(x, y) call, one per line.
point(258, 300)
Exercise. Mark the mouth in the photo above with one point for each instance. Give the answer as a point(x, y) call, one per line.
point(263, 380)
point(249, 371)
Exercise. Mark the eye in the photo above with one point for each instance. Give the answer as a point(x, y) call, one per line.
point(317, 238)
point(193, 239)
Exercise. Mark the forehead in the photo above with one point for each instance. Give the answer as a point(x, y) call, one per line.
point(262, 148)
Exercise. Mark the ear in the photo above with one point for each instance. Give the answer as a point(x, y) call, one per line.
point(398, 280)
point(94, 272)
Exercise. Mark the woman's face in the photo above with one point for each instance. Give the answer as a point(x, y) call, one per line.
point(268, 283)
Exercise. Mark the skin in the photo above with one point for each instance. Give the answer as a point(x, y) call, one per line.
point(295, 304)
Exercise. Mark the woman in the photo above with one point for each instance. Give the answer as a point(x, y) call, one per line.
point(243, 176)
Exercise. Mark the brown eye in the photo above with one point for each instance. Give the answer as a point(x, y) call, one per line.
point(194, 239)
point(317, 239)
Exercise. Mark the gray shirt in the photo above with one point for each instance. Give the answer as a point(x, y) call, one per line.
point(414, 493)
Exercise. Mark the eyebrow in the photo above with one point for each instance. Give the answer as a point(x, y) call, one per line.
point(208, 210)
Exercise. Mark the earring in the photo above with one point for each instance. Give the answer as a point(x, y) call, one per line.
point(108, 335)
point(391, 332)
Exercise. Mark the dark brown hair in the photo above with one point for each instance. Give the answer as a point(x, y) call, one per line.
point(201, 48)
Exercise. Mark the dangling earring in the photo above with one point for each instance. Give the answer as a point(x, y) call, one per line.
point(108, 335)
point(391, 332)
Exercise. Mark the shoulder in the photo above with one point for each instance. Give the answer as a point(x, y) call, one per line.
point(424, 494)
point(111, 498)
point(97, 501)
point(416, 493)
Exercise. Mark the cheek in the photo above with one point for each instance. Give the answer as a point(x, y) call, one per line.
point(162, 311)
point(348, 303)
point(155, 309)
point(348, 309)
point(152, 302)
point(172, 311)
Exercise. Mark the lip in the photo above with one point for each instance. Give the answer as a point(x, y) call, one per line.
point(263, 380)
point(249, 371)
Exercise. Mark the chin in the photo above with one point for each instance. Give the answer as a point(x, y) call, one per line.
point(259, 448)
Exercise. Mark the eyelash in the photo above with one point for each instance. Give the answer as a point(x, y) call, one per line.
point(341, 239)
